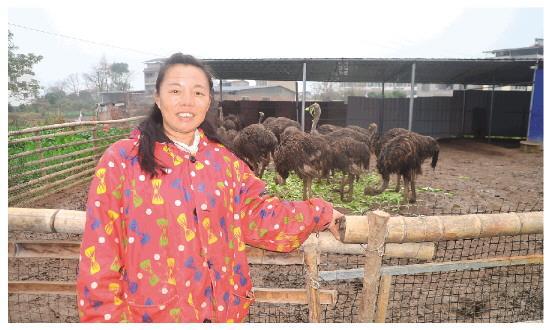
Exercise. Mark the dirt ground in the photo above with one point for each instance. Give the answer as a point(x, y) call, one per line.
point(470, 177)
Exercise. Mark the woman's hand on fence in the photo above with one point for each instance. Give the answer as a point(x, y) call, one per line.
point(334, 225)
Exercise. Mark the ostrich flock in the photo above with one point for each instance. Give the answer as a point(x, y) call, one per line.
point(327, 149)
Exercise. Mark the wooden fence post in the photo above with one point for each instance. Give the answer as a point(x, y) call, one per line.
point(375, 250)
point(311, 258)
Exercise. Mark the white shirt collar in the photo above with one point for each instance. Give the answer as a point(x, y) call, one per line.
point(193, 148)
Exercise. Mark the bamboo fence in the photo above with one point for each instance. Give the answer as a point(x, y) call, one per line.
point(39, 165)
point(375, 236)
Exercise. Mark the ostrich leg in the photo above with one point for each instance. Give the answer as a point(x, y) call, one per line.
point(342, 185)
point(263, 164)
point(352, 179)
point(309, 192)
point(385, 182)
point(413, 187)
point(406, 185)
point(307, 187)
point(398, 184)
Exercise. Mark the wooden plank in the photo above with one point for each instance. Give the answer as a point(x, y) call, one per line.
point(311, 260)
point(262, 257)
point(42, 287)
point(266, 295)
point(293, 296)
point(449, 266)
point(383, 299)
point(348, 274)
point(44, 249)
point(70, 250)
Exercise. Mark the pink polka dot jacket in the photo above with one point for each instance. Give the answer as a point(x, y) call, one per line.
point(172, 248)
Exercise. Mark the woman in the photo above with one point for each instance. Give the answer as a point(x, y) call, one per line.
point(169, 213)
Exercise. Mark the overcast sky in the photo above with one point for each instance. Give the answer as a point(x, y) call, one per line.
point(74, 35)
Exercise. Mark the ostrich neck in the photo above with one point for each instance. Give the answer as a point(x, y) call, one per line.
point(314, 124)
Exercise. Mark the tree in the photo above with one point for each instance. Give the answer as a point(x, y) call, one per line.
point(19, 70)
point(54, 95)
point(120, 77)
point(73, 83)
point(98, 78)
point(106, 77)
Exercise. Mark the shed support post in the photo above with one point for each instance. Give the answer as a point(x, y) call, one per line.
point(411, 101)
point(491, 114)
point(381, 115)
point(303, 97)
point(463, 111)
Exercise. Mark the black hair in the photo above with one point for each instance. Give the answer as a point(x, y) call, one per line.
point(152, 130)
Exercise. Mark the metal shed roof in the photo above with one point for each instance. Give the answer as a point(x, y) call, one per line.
point(439, 71)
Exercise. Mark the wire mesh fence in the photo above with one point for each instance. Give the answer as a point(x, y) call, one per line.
point(496, 294)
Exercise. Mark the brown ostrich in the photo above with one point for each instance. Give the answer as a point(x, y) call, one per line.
point(255, 144)
point(345, 153)
point(308, 155)
point(404, 155)
point(278, 124)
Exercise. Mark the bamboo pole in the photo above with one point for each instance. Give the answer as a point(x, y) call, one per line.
point(373, 261)
point(383, 299)
point(83, 123)
point(60, 146)
point(268, 295)
point(325, 243)
point(63, 156)
point(54, 190)
point(311, 259)
point(530, 223)
point(90, 164)
point(50, 186)
point(47, 136)
point(354, 229)
point(38, 145)
point(51, 167)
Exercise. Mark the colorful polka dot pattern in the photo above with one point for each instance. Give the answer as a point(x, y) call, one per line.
point(172, 248)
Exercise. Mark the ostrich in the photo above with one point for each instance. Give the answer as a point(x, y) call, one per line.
point(328, 128)
point(255, 144)
point(346, 154)
point(404, 155)
point(229, 122)
point(279, 124)
point(308, 155)
point(378, 142)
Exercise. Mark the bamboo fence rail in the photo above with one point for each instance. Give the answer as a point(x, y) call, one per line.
point(27, 178)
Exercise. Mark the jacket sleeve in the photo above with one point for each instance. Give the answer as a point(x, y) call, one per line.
point(99, 279)
point(273, 224)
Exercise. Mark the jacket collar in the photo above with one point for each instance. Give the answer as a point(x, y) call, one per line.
point(203, 142)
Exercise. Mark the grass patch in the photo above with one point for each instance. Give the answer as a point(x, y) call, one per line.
point(359, 204)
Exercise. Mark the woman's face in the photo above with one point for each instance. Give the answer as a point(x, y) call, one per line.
point(183, 99)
